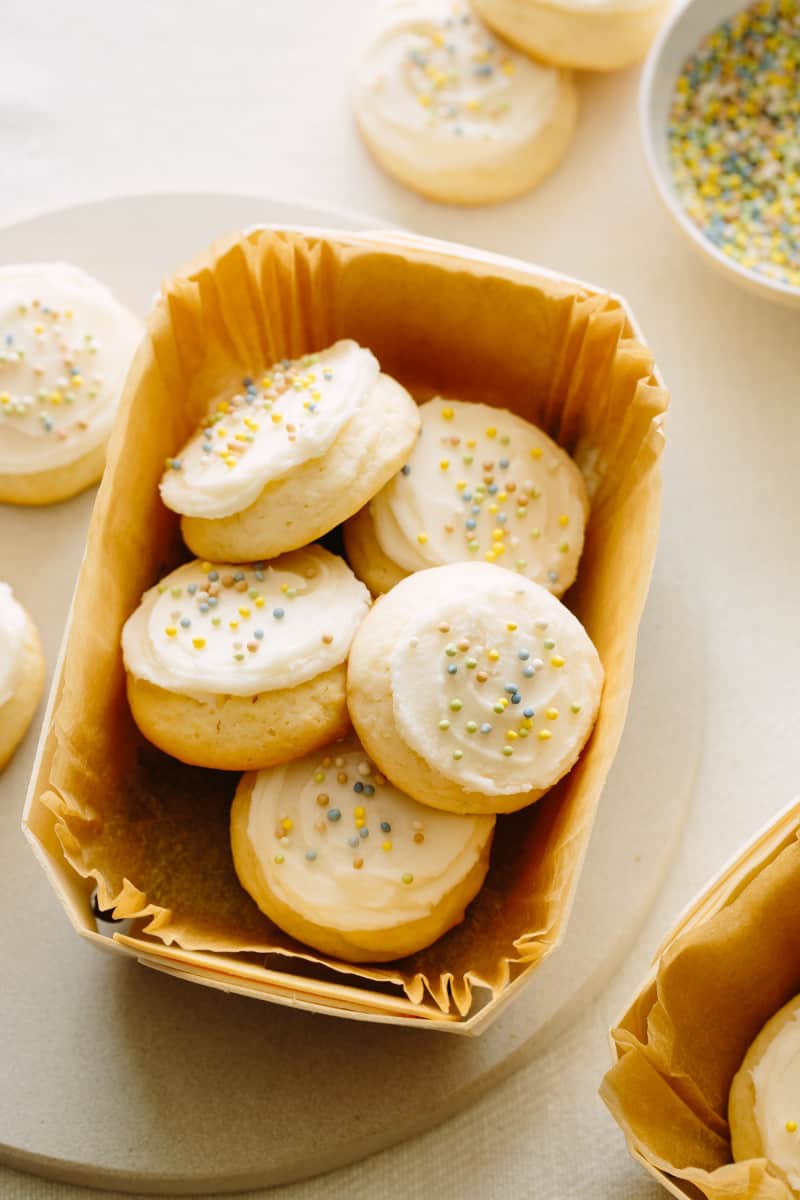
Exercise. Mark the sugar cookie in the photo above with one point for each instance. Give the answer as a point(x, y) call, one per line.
point(296, 450)
point(591, 35)
point(481, 484)
point(453, 112)
point(764, 1104)
point(473, 688)
point(22, 672)
point(340, 859)
point(65, 348)
point(240, 667)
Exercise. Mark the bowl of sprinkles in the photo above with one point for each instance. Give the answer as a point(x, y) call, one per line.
point(720, 113)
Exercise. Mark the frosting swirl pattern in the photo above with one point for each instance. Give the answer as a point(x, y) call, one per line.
point(12, 635)
point(484, 483)
point(497, 684)
point(288, 415)
point(439, 88)
point(210, 628)
point(65, 348)
point(344, 848)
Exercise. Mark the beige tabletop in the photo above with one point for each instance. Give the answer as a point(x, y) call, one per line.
point(252, 98)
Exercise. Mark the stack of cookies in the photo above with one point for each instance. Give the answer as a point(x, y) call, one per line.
point(378, 740)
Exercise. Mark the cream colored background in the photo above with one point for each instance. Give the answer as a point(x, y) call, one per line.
point(251, 97)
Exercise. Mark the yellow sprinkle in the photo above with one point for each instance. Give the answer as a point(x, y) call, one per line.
point(493, 508)
point(471, 443)
point(76, 381)
point(564, 548)
point(221, 433)
point(259, 602)
point(359, 823)
point(223, 407)
point(244, 612)
point(288, 824)
point(501, 496)
point(493, 656)
point(491, 432)
point(233, 624)
point(206, 567)
point(461, 484)
point(536, 452)
point(498, 535)
point(791, 1126)
point(422, 538)
point(387, 845)
point(500, 548)
point(277, 418)
point(447, 414)
point(551, 714)
point(511, 626)
point(38, 329)
point(511, 736)
point(507, 68)
point(544, 735)
point(56, 398)
point(444, 463)
point(251, 424)
point(557, 661)
point(198, 643)
point(563, 520)
point(425, 101)
point(170, 631)
point(527, 723)
point(490, 556)
point(359, 811)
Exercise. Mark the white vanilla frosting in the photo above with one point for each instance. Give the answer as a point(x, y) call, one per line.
point(12, 639)
point(496, 684)
point(776, 1080)
point(438, 88)
point(282, 417)
point(210, 628)
point(482, 483)
point(65, 348)
point(345, 849)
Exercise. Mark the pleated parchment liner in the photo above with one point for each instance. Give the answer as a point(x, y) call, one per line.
point(153, 833)
point(731, 963)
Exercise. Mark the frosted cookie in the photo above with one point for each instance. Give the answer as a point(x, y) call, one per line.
point(473, 688)
point(592, 35)
point(22, 671)
point(481, 484)
point(342, 860)
point(240, 667)
point(297, 449)
point(764, 1104)
point(453, 112)
point(65, 348)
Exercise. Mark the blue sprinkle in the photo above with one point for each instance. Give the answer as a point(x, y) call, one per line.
point(466, 495)
point(492, 489)
point(486, 727)
point(204, 607)
point(213, 576)
point(552, 576)
point(476, 508)
point(250, 398)
point(451, 668)
point(285, 362)
point(176, 464)
point(529, 712)
point(358, 787)
point(75, 371)
point(192, 588)
point(363, 832)
point(511, 688)
point(406, 470)
point(238, 577)
point(10, 340)
point(247, 381)
point(502, 517)
point(185, 623)
point(352, 841)
point(369, 790)
point(258, 633)
point(503, 463)
point(311, 855)
point(208, 448)
point(212, 601)
point(470, 523)
point(523, 654)
point(277, 613)
point(516, 698)
point(528, 672)
point(259, 575)
point(385, 827)
point(333, 814)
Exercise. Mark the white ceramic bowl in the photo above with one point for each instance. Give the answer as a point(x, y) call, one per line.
point(682, 34)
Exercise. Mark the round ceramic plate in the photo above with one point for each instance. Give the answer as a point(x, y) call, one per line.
point(130, 1078)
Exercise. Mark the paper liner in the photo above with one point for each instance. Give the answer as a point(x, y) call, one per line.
point(153, 832)
point(728, 967)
